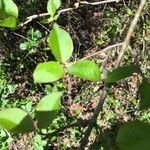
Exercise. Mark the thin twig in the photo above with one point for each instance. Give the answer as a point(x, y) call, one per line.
point(30, 18)
point(130, 33)
point(19, 35)
point(98, 3)
point(43, 26)
point(104, 50)
point(106, 60)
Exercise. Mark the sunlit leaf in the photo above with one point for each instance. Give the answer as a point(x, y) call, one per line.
point(52, 6)
point(134, 136)
point(47, 109)
point(48, 72)
point(8, 8)
point(122, 72)
point(145, 94)
point(8, 13)
point(60, 43)
point(85, 69)
point(15, 120)
point(8, 22)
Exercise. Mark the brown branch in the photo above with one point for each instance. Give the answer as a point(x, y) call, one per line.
point(103, 50)
point(103, 95)
point(93, 120)
point(130, 33)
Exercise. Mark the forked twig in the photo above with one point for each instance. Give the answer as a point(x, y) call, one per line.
point(30, 18)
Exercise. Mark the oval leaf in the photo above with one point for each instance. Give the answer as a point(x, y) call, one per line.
point(8, 22)
point(47, 109)
point(8, 9)
point(8, 13)
point(16, 120)
point(122, 72)
point(85, 69)
point(60, 43)
point(144, 91)
point(48, 72)
point(52, 6)
point(134, 136)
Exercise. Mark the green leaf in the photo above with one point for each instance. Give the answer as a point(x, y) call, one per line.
point(9, 22)
point(144, 91)
point(16, 120)
point(24, 46)
point(8, 8)
point(48, 72)
point(122, 72)
point(8, 13)
point(85, 69)
point(134, 136)
point(52, 6)
point(47, 109)
point(60, 43)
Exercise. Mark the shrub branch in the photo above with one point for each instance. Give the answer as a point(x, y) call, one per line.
point(77, 5)
point(130, 33)
point(103, 95)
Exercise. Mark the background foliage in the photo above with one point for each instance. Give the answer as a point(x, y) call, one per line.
point(91, 28)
